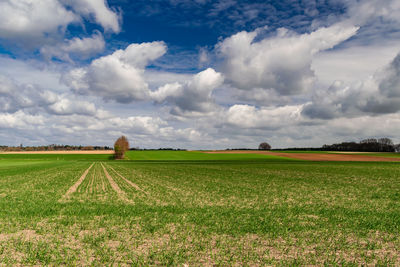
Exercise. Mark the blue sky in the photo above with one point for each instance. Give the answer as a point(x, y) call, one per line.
point(199, 73)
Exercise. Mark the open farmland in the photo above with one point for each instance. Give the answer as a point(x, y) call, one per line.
point(320, 155)
point(160, 208)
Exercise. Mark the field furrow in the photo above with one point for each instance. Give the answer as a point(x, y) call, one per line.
point(127, 181)
point(159, 191)
point(185, 185)
point(75, 186)
point(121, 194)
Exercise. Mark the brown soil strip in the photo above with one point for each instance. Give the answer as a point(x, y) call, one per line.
point(311, 156)
point(350, 152)
point(62, 152)
point(73, 188)
point(129, 182)
point(121, 194)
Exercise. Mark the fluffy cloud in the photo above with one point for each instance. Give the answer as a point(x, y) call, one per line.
point(20, 120)
point(282, 62)
point(31, 23)
point(379, 94)
point(143, 131)
point(195, 96)
point(353, 63)
point(31, 20)
point(82, 47)
point(28, 98)
point(99, 9)
point(65, 106)
point(245, 116)
point(14, 97)
point(118, 76)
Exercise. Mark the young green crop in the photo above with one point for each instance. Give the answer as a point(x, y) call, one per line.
point(154, 155)
point(198, 210)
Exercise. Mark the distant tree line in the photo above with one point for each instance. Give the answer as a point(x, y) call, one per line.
point(367, 145)
point(53, 147)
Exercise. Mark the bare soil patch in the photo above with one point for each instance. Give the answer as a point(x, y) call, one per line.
point(62, 152)
point(312, 156)
point(354, 152)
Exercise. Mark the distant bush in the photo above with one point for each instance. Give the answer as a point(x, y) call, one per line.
point(120, 147)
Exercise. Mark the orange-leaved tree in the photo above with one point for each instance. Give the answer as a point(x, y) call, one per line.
point(120, 147)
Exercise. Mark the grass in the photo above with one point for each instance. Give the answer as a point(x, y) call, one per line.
point(195, 155)
point(199, 209)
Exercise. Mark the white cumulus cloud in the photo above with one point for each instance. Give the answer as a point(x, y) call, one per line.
point(32, 20)
point(246, 116)
point(33, 23)
point(119, 76)
point(20, 120)
point(99, 9)
point(194, 96)
point(66, 106)
point(14, 97)
point(82, 47)
point(281, 62)
point(378, 94)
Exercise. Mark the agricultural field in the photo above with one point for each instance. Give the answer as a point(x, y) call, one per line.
point(193, 208)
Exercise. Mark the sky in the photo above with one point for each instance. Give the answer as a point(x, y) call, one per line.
point(199, 74)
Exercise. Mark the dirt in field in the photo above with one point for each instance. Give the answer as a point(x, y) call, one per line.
point(311, 156)
point(62, 152)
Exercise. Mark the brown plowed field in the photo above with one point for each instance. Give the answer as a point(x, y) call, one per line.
point(312, 156)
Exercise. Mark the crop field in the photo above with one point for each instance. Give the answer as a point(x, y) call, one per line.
point(192, 208)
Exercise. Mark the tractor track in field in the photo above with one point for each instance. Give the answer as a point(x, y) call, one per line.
point(121, 194)
point(94, 179)
point(127, 181)
point(149, 195)
point(75, 186)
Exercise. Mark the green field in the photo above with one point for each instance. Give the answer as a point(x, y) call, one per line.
point(176, 208)
point(196, 156)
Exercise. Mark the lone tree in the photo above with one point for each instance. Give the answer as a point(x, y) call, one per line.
point(264, 146)
point(120, 147)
